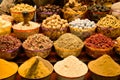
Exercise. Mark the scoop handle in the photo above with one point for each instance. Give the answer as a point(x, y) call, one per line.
point(25, 16)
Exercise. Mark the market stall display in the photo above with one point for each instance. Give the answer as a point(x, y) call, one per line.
point(69, 43)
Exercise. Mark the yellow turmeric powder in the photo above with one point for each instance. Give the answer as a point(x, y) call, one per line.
point(7, 69)
point(34, 68)
point(105, 66)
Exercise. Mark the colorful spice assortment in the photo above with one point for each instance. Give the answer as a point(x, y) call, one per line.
point(82, 37)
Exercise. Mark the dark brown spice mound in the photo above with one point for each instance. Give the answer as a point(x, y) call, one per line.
point(9, 43)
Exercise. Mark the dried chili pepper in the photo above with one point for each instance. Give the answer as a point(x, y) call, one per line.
point(99, 41)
